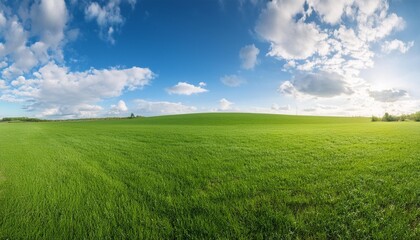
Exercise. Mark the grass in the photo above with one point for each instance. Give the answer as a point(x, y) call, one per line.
point(207, 176)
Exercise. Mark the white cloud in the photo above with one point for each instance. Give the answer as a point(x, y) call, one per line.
point(248, 56)
point(287, 88)
point(287, 26)
point(384, 26)
point(71, 111)
point(14, 37)
point(389, 95)
point(32, 61)
point(108, 17)
point(118, 109)
point(93, 83)
point(232, 80)
point(19, 81)
point(396, 45)
point(322, 84)
point(183, 88)
point(327, 43)
point(3, 20)
point(55, 91)
point(3, 85)
point(276, 107)
point(15, 47)
point(331, 11)
point(27, 46)
point(290, 39)
point(49, 19)
point(3, 64)
point(162, 107)
point(9, 98)
point(225, 104)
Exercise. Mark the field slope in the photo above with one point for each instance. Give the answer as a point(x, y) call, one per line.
point(207, 176)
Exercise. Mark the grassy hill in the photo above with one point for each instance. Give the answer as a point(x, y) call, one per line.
point(210, 176)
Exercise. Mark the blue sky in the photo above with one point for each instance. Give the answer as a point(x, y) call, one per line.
point(81, 58)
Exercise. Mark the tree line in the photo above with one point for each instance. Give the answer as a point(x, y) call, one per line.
point(393, 118)
point(27, 119)
point(21, 119)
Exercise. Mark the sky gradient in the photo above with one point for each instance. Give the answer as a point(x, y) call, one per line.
point(80, 58)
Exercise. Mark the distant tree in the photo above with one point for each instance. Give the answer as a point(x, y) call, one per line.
point(21, 119)
point(392, 118)
point(132, 115)
point(376, 119)
point(389, 118)
point(416, 117)
point(385, 118)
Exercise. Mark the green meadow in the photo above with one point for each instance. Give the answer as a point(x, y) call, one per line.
point(210, 176)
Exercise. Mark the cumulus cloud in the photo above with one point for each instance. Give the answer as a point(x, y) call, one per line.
point(49, 19)
point(3, 84)
point(396, 45)
point(3, 20)
point(286, 26)
point(276, 107)
point(225, 104)
point(108, 17)
point(18, 81)
point(162, 107)
point(328, 36)
point(3, 64)
point(15, 48)
point(26, 46)
point(232, 80)
point(9, 98)
point(183, 88)
point(331, 11)
point(384, 27)
point(389, 95)
point(119, 108)
point(290, 39)
point(56, 91)
point(32, 61)
point(322, 84)
point(248, 56)
point(71, 111)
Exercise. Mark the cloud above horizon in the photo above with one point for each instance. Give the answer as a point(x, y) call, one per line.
point(184, 88)
point(56, 91)
point(119, 108)
point(389, 95)
point(326, 57)
point(248, 56)
point(225, 105)
point(107, 16)
point(145, 107)
point(232, 80)
point(396, 45)
point(322, 84)
point(36, 75)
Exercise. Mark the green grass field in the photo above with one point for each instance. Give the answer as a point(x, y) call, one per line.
point(210, 176)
